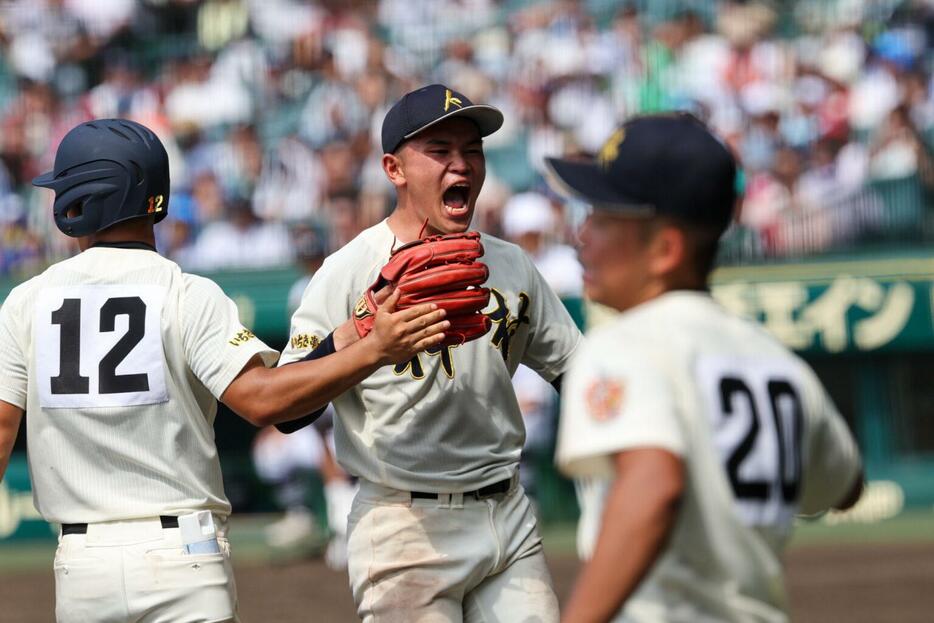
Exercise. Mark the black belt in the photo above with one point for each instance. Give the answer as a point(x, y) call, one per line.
point(82, 528)
point(483, 492)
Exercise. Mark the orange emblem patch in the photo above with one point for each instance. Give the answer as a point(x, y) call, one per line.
point(604, 398)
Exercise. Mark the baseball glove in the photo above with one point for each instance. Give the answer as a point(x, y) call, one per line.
point(438, 269)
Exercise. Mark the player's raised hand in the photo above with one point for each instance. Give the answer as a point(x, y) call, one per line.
point(399, 335)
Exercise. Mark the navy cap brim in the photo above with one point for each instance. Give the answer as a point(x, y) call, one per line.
point(487, 118)
point(588, 181)
point(44, 180)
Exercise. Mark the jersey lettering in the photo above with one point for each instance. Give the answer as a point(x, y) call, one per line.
point(134, 309)
point(506, 323)
point(414, 365)
point(69, 379)
point(505, 327)
point(753, 489)
point(789, 422)
point(757, 416)
point(100, 346)
point(447, 362)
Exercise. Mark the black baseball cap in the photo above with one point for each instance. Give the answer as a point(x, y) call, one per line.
point(429, 105)
point(664, 165)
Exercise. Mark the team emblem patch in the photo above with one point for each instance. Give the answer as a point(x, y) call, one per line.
point(360, 310)
point(604, 398)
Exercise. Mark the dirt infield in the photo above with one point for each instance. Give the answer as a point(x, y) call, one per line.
point(851, 584)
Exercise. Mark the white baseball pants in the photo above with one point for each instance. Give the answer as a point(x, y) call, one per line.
point(449, 560)
point(138, 571)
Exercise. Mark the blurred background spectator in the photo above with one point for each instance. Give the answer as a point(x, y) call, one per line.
point(532, 221)
point(270, 111)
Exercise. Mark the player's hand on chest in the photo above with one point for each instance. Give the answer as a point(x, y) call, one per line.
point(508, 311)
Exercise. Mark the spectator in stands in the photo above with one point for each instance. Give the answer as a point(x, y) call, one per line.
point(898, 151)
point(239, 240)
point(292, 183)
point(770, 194)
point(333, 109)
point(529, 221)
point(281, 101)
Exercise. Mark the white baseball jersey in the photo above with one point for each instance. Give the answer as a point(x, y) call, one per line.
point(759, 437)
point(448, 420)
point(117, 358)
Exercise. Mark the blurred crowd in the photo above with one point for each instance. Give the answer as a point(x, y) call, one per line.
point(270, 111)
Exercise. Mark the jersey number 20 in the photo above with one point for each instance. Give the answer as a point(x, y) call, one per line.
point(786, 475)
point(757, 417)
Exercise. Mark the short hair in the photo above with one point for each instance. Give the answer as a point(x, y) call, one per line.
point(703, 242)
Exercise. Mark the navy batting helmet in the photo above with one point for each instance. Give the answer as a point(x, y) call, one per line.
point(107, 171)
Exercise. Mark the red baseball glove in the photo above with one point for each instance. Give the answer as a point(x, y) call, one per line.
point(439, 269)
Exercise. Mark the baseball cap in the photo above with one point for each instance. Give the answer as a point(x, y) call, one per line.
point(429, 105)
point(665, 165)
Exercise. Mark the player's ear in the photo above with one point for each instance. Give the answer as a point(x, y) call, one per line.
point(392, 166)
point(668, 250)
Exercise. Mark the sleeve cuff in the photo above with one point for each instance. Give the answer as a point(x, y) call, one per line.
point(325, 348)
point(236, 364)
point(554, 371)
point(17, 400)
point(593, 460)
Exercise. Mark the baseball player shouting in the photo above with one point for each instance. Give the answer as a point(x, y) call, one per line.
point(440, 529)
point(696, 437)
point(117, 359)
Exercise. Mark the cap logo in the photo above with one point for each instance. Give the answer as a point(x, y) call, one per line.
point(450, 99)
point(610, 149)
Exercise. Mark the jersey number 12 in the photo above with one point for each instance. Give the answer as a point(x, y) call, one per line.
point(96, 349)
point(68, 318)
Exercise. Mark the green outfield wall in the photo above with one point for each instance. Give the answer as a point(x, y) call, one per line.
point(838, 306)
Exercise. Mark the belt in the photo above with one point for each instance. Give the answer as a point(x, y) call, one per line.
point(82, 528)
point(483, 492)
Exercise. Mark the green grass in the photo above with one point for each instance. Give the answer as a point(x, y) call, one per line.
point(246, 535)
point(560, 539)
point(914, 526)
point(26, 556)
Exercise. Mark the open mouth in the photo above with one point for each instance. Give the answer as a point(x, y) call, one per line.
point(456, 198)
